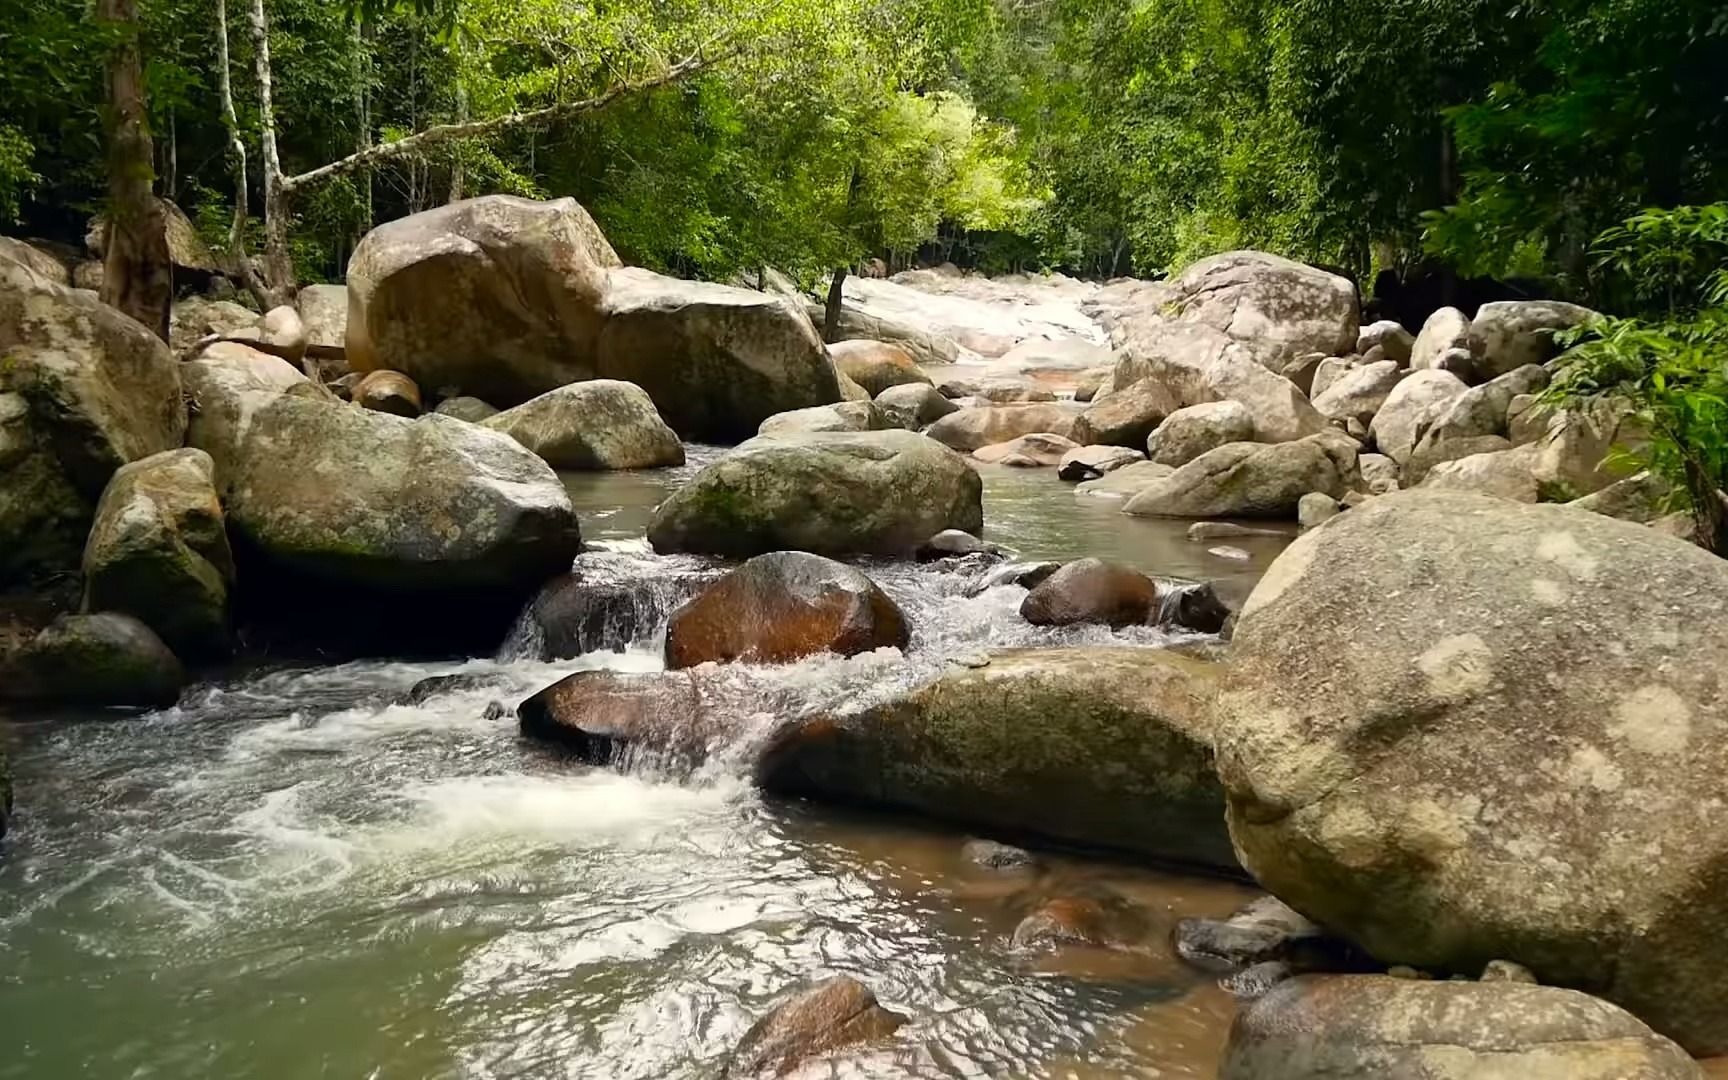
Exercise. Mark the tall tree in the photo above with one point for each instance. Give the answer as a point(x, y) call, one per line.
point(139, 275)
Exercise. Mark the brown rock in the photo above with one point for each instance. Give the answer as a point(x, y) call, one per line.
point(832, 1014)
point(388, 392)
point(1127, 416)
point(781, 607)
point(1092, 591)
point(612, 718)
point(1037, 449)
point(876, 365)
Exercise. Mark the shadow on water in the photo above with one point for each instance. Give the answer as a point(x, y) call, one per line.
point(290, 874)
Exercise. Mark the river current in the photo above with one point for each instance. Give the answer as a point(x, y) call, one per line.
point(291, 875)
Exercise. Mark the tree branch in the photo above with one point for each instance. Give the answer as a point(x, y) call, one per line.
point(444, 133)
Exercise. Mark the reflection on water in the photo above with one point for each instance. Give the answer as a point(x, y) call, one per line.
point(290, 875)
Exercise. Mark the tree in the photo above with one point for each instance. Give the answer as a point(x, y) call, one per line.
point(139, 276)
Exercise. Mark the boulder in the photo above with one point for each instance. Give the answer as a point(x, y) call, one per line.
point(782, 607)
point(387, 392)
point(1643, 497)
point(106, 659)
point(1327, 372)
point(467, 409)
point(37, 261)
point(368, 501)
point(1092, 591)
point(592, 610)
point(227, 385)
point(1316, 509)
point(83, 391)
point(1266, 930)
point(1096, 920)
point(1510, 334)
point(1429, 453)
point(1204, 531)
point(1040, 449)
point(1525, 765)
point(158, 552)
point(1014, 392)
point(914, 405)
point(499, 297)
point(1360, 392)
point(186, 248)
point(1303, 370)
point(878, 492)
point(1482, 410)
point(1409, 409)
point(323, 313)
point(1379, 472)
point(1127, 416)
point(970, 429)
point(1091, 462)
point(1191, 431)
point(90, 275)
point(1504, 474)
point(849, 390)
point(595, 425)
point(1388, 336)
point(1105, 747)
point(1446, 329)
point(665, 719)
point(954, 544)
point(1247, 480)
point(1527, 419)
point(1335, 1026)
point(280, 333)
point(1092, 381)
point(1275, 308)
point(716, 360)
point(828, 1016)
point(1126, 482)
point(876, 365)
point(1199, 364)
point(846, 416)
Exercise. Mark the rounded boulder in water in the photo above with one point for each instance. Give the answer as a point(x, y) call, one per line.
point(1092, 591)
point(781, 607)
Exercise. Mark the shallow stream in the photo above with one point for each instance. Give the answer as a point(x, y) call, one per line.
point(290, 876)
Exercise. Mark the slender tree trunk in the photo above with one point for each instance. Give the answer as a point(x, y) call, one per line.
point(278, 264)
point(139, 275)
point(831, 315)
point(240, 261)
point(456, 170)
point(363, 110)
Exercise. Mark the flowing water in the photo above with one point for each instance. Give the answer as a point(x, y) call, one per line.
point(290, 875)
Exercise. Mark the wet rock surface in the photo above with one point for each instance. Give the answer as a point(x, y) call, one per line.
point(830, 1015)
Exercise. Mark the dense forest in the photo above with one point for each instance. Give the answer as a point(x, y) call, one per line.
point(1103, 137)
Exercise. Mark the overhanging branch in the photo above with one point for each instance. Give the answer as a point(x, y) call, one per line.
point(446, 133)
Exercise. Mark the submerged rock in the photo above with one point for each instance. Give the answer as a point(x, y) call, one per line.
point(1092, 591)
point(158, 551)
point(991, 855)
point(612, 718)
point(595, 425)
point(1266, 930)
point(781, 607)
point(1523, 766)
point(880, 492)
point(578, 613)
point(1107, 747)
point(819, 1019)
point(106, 659)
point(1091, 462)
point(1099, 922)
point(1373, 1026)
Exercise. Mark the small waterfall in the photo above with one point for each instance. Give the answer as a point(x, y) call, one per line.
point(611, 600)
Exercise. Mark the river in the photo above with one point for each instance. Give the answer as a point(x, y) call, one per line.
point(290, 876)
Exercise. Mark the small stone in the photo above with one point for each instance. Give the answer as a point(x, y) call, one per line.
point(1316, 509)
point(996, 856)
point(496, 710)
point(1405, 971)
point(1227, 552)
point(1253, 982)
point(1508, 971)
point(952, 543)
point(1202, 531)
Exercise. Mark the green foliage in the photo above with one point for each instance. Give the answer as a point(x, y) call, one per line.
point(16, 176)
point(1673, 369)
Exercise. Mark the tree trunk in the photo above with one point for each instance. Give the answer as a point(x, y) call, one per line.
point(831, 315)
point(278, 264)
point(240, 262)
point(457, 176)
point(139, 275)
point(363, 111)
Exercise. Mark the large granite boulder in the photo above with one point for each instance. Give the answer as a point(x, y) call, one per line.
point(323, 311)
point(1275, 308)
point(101, 660)
point(37, 261)
point(349, 496)
point(83, 391)
point(595, 425)
point(1195, 429)
point(1410, 408)
point(877, 365)
point(716, 360)
point(1359, 393)
point(781, 607)
point(227, 385)
point(158, 551)
point(877, 492)
point(1199, 364)
point(1338, 1026)
point(1510, 334)
point(1251, 480)
point(913, 405)
point(1445, 331)
point(1106, 747)
point(987, 425)
point(846, 416)
point(499, 297)
point(1127, 416)
point(1458, 729)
